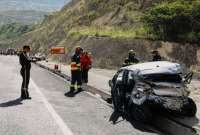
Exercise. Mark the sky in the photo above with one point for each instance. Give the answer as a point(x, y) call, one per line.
point(41, 5)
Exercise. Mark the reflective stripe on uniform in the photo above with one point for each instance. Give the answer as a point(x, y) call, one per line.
point(75, 66)
point(73, 63)
point(78, 86)
point(72, 86)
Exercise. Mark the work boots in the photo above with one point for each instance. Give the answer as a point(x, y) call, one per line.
point(70, 93)
point(79, 90)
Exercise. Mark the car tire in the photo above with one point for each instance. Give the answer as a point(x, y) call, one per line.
point(141, 113)
point(190, 108)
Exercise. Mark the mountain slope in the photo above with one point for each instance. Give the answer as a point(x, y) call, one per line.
point(24, 16)
point(107, 29)
point(13, 30)
point(119, 17)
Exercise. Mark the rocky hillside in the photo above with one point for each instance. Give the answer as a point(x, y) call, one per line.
point(107, 29)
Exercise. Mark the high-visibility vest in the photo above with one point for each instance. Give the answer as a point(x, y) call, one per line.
point(75, 66)
point(76, 63)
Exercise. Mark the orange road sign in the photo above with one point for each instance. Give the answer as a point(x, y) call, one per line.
point(58, 50)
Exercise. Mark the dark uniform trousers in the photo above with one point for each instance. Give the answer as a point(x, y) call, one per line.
point(76, 78)
point(25, 73)
point(75, 72)
point(85, 75)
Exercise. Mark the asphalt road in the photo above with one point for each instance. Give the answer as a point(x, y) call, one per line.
point(50, 112)
point(100, 77)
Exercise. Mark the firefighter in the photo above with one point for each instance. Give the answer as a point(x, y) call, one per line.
point(131, 59)
point(156, 56)
point(76, 71)
point(85, 66)
point(25, 71)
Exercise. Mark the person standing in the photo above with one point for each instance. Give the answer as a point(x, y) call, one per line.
point(131, 59)
point(86, 63)
point(156, 56)
point(25, 62)
point(76, 71)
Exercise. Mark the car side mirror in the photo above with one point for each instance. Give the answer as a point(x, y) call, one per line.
point(110, 83)
point(188, 77)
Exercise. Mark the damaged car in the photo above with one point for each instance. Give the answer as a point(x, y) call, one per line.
point(142, 90)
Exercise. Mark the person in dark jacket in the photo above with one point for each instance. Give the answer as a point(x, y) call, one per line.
point(131, 59)
point(76, 78)
point(25, 71)
point(156, 56)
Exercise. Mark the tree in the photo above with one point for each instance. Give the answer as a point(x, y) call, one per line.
point(175, 21)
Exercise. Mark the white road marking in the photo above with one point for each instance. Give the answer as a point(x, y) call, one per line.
point(64, 79)
point(98, 97)
point(57, 118)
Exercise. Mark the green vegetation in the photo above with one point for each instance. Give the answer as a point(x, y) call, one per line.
point(114, 19)
point(113, 32)
point(172, 20)
point(13, 30)
point(175, 21)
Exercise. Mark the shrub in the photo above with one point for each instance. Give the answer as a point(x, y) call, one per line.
point(175, 21)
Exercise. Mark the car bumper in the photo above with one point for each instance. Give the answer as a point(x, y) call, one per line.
point(170, 103)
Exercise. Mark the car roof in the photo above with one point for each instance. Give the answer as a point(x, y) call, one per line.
point(159, 67)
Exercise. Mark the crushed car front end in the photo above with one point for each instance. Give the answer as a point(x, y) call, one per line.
point(164, 88)
point(140, 88)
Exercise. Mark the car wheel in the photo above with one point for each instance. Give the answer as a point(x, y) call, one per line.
point(141, 113)
point(190, 108)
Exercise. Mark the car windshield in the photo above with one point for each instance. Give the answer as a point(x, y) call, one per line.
point(174, 78)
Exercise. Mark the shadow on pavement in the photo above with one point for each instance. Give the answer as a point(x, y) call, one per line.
point(137, 125)
point(188, 121)
point(73, 94)
point(191, 121)
point(11, 103)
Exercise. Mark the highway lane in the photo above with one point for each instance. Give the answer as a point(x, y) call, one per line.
point(50, 111)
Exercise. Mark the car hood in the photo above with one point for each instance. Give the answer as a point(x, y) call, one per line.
point(161, 67)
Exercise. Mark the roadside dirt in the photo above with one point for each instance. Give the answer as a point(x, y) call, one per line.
point(110, 53)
